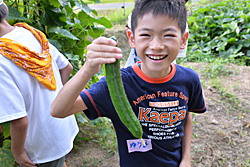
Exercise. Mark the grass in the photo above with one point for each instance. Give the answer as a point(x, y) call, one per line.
point(215, 69)
point(99, 132)
point(94, 162)
point(116, 16)
point(107, 135)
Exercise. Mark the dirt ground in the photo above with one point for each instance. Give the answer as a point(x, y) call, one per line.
point(221, 136)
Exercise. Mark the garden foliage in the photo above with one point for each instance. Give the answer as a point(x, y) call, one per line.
point(221, 29)
point(70, 25)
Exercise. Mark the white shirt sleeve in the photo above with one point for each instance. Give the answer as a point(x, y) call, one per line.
point(60, 59)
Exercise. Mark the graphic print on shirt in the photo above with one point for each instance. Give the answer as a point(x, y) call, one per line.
point(162, 118)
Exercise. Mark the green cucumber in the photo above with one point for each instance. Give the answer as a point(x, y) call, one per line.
point(119, 98)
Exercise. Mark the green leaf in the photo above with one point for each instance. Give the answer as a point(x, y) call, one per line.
point(247, 36)
point(6, 157)
point(55, 3)
point(233, 39)
point(248, 53)
point(84, 7)
point(85, 18)
point(6, 127)
point(62, 32)
point(55, 43)
point(191, 19)
point(105, 22)
point(96, 31)
point(15, 14)
point(52, 18)
point(67, 34)
point(79, 48)
point(64, 2)
point(69, 11)
point(71, 56)
point(7, 144)
point(225, 20)
point(80, 118)
point(233, 26)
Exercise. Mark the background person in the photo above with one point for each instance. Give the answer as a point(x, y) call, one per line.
point(32, 73)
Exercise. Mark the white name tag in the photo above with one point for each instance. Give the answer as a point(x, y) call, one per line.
point(140, 145)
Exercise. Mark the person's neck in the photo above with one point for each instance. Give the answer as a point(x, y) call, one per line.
point(5, 28)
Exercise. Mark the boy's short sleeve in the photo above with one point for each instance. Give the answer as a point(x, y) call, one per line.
point(60, 59)
point(12, 104)
point(196, 102)
point(98, 101)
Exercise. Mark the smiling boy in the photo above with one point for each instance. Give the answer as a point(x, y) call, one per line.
point(133, 58)
point(161, 94)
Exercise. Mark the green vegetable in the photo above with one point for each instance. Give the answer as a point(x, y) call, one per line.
point(119, 98)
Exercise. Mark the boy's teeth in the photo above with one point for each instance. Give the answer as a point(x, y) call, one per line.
point(155, 57)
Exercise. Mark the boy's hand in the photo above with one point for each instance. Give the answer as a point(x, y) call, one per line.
point(102, 51)
point(23, 159)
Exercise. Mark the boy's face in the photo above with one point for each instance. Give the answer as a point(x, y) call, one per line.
point(157, 40)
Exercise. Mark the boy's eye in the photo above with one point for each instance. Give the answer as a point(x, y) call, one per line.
point(145, 35)
point(169, 35)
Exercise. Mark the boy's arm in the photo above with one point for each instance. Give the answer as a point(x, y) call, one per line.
point(68, 102)
point(18, 131)
point(65, 72)
point(186, 142)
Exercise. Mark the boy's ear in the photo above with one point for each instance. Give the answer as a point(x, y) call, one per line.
point(131, 38)
point(184, 40)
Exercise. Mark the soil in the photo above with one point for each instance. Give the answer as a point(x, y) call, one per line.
point(221, 136)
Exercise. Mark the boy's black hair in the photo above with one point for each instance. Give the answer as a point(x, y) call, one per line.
point(3, 12)
point(175, 9)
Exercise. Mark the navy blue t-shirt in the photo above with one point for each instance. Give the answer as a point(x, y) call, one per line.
point(161, 106)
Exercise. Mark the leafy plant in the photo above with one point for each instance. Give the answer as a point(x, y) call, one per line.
point(6, 157)
point(215, 69)
point(221, 29)
point(70, 25)
point(107, 134)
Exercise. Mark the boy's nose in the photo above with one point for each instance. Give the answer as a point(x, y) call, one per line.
point(156, 44)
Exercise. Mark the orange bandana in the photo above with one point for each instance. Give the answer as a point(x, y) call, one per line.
point(40, 66)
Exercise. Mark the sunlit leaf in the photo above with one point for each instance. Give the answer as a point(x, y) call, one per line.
point(105, 22)
point(232, 40)
point(80, 118)
point(6, 157)
point(55, 3)
point(96, 31)
point(71, 56)
point(62, 32)
point(6, 127)
point(83, 6)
